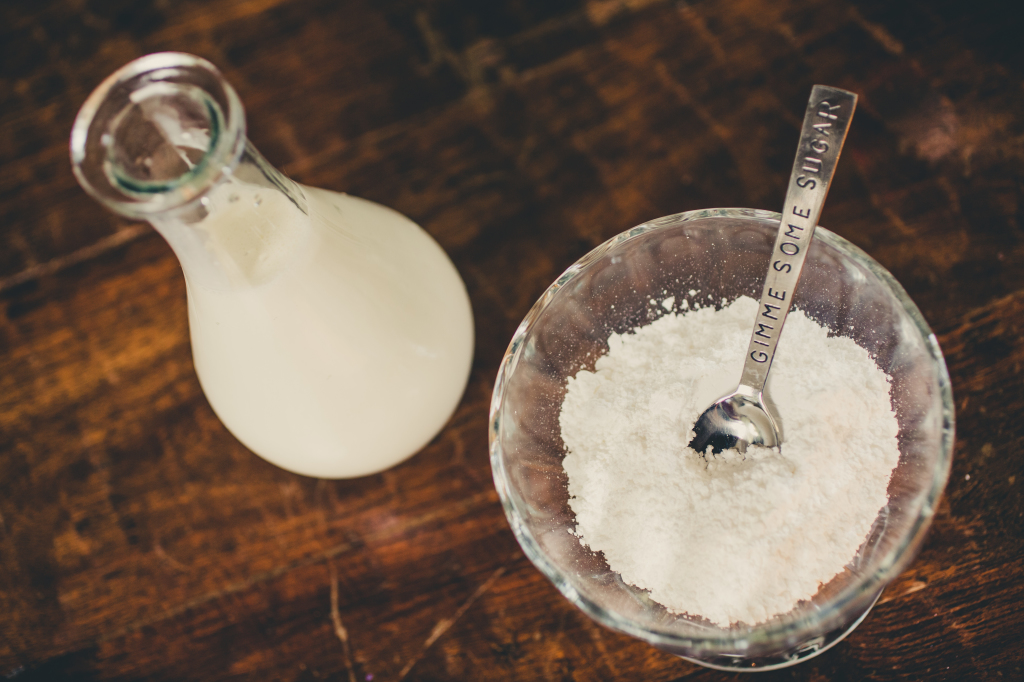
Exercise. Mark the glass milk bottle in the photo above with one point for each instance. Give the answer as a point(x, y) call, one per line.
point(331, 335)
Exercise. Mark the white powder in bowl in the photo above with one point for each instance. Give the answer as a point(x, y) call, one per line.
point(733, 539)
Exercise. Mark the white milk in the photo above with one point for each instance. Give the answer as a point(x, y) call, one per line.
point(341, 343)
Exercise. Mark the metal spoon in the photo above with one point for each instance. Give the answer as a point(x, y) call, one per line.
point(742, 417)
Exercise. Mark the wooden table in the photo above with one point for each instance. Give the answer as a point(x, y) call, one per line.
point(140, 541)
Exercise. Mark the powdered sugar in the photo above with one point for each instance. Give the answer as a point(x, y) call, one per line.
point(733, 539)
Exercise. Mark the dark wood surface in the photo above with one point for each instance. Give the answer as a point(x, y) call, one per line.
point(140, 541)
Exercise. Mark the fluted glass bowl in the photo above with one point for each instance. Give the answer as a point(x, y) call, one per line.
point(723, 254)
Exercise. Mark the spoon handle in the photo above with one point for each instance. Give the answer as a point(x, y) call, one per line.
point(826, 123)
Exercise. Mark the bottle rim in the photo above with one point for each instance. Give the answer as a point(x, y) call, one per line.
point(91, 140)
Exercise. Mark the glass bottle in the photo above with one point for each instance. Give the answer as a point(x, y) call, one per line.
point(331, 335)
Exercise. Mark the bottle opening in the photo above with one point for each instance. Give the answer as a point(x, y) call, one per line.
point(159, 132)
point(162, 139)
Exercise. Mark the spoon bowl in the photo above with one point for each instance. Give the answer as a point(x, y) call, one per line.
point(736, 421)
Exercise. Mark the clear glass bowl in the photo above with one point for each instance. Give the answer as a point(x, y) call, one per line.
point(724, 253)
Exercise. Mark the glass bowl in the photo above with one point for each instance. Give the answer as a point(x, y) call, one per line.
point(723, 254)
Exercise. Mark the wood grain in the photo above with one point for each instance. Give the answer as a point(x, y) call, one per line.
point(140, 541)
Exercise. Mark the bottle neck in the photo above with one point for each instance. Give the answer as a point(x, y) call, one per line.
point(242, 231)
point(163, 140)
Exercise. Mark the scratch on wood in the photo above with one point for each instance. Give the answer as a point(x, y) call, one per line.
point(471, 64)
point(128, 234)
point(438, 50)
point(890, 215)
point(163, 555)
point(706, 35)
point(722, 132)
point(888, 42)
point(339, 627)
point(288, 490)
point(445, 623)
point(208, 21)
point(286, 132)
point(600, 12)
point(897, 221)
point(267, 521)
point(915, 586)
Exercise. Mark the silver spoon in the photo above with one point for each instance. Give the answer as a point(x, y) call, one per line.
point(743, 418)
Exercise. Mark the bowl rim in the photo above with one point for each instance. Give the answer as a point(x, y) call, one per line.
point(854, 598)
